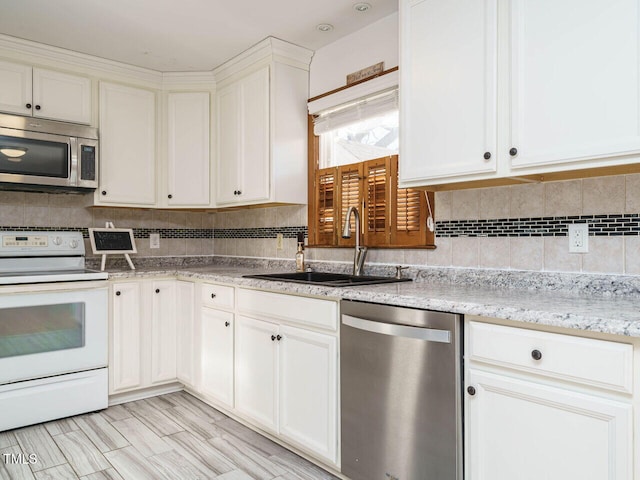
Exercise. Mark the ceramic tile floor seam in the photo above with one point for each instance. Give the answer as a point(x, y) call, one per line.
point(90, 453)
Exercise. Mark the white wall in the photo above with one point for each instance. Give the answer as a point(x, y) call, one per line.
point(332, 63)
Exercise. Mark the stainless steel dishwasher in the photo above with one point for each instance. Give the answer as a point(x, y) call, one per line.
point(401, 393)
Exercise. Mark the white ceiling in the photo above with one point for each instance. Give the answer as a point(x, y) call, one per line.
point(181, 35)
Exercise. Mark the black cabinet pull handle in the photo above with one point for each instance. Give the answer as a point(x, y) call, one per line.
point(226, 324)
point(118, 293)
point(213, 295)
point(28, 105)
point(487, 155)
point(104, 192)
point(513, 152)
point(169, 196)
point(157, 290)
point(471, 390)
point(536, 354)
point(279, 338)
point(273, 338)
point(38, 107)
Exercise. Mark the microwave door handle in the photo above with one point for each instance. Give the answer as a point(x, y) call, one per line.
point(73, 163)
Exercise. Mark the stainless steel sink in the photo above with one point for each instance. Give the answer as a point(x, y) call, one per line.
point(327, 279)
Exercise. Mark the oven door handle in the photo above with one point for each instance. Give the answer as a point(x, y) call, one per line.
point(427, 334)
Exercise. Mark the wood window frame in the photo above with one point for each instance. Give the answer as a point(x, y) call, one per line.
point(388, 237)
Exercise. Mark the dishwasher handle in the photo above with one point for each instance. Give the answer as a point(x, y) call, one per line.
point(428, 334)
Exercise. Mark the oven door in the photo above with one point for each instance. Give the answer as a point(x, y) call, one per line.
point(51, 329)
point(34, 158)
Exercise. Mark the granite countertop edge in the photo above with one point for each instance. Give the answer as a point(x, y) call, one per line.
point(586, 313)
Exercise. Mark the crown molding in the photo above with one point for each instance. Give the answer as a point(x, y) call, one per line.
point(40, 53)
point(270, 49)
point(188, 80)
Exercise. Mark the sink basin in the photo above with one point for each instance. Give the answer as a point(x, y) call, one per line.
point(327, 279)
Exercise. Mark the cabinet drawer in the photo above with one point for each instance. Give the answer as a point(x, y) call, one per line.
point(598, 363)
point(217, 295)
point(301, 310)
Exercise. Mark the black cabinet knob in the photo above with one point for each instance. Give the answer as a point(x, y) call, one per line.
point(169, 196)
point(226, 324)
point(471, 390)
point(28, 105)
point(487, 155)
point(157, 290)
point(279, 338)
point(38, 107)
point(104, 192)
point(118, 293)
point(213, 295)
point(536, 354)
point(235, 192)
point(273, 338)
point(239, 192)
point(513, 152)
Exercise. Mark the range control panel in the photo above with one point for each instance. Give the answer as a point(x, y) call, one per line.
point(41, 244)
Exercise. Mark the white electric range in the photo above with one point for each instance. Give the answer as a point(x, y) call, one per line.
point(53, 329)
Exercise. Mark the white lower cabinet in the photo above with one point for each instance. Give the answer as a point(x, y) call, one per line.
point(286, 382)
point(216, 361)
point(308, 371)
point(142, 347)
point(185, 333)
point(523, 422)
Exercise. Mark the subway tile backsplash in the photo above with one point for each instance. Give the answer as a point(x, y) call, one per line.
point(521, 227)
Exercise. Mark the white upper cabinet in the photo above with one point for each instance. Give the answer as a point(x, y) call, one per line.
point(127, 146)
point(492, 90)
point(242, 125)
point(575, 85)
point(261, 125)
point(188, 159)
point(448, 85)
point(44, 93)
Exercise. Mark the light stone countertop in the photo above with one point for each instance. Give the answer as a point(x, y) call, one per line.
point(612, 314)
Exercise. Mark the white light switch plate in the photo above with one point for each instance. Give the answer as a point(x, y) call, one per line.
point(154, 240)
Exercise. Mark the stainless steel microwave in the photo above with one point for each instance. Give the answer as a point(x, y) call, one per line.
point(45, 155)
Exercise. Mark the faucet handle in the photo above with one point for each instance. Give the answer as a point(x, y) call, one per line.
point(399, 269)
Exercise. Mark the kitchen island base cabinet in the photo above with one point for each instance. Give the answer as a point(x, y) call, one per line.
point(524, 430)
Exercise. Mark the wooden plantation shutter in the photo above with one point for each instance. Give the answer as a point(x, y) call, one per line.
point(350, 194)
point(326, 206)
point(409, 213)
point(377, 190)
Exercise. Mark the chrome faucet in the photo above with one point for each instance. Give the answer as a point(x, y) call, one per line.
point(360, 252)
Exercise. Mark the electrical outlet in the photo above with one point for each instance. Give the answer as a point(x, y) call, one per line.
point(154, 240)
point(279, 242)
point(578, 238)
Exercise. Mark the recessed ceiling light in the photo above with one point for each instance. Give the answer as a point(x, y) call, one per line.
point(362, 7)
point(325, 27)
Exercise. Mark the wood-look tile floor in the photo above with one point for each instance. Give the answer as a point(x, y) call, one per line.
point(173, 436)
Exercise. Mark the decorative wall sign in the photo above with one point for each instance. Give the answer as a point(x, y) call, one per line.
point(365, 73)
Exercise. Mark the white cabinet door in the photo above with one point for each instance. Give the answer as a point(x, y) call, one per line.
point(243, 139)
point(15, 88)
point(575, 80)
point(188, 157)
point(228, 137)
point(127, 146)
point(59, 96)
point(256, 371)
point(163, 331)
point(255, 165)
point(448, 82)
point(185, 330)
point(524, 430)
point(125, 362)
point(308, 390)
point(217, 355)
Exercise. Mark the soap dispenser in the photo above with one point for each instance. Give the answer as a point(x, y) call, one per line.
point(300, 258)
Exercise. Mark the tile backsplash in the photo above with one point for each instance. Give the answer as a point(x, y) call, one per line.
point(521, 227)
